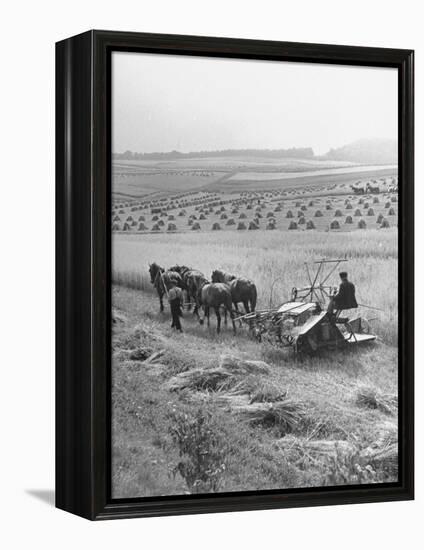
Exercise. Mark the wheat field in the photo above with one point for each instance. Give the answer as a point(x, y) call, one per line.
point(273, 260)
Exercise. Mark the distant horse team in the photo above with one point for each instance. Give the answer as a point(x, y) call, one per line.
point(224, 291)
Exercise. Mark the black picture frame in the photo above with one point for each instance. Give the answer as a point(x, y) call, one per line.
point(83, 273)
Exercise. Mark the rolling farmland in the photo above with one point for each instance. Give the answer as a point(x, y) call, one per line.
point(341, 406)
point(179, 200)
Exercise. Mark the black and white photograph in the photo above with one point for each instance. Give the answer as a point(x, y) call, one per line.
point(254, 249)
point(210, 240)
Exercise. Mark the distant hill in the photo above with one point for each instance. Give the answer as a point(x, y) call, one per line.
point(366, 151)
point(294, 152)
point(363, 151)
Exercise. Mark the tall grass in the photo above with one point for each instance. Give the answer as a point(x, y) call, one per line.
point(273, 260)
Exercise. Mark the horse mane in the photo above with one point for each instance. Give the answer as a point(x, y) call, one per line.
point(157, 266)
point(181, 269)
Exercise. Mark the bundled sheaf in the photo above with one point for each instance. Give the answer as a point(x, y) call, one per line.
point(370, 397)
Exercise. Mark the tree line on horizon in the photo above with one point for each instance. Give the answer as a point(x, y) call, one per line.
point(293, 152)
point(365, 151)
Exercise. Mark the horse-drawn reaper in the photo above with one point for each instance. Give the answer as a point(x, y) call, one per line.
point(308, 321)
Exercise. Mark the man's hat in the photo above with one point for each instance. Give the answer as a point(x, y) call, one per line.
point(343, 275)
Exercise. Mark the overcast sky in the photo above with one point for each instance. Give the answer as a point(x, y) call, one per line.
point(162, 103)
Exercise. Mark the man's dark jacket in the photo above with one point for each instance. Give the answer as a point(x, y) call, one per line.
point(345, 298)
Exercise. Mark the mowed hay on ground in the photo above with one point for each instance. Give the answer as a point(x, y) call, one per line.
point(268, 427)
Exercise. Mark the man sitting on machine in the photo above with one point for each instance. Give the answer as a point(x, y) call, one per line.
point(344, 298)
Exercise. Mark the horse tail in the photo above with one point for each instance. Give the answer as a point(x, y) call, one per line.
point(253, 297)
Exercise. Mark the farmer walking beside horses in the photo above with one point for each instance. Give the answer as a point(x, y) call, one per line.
point(175, 298)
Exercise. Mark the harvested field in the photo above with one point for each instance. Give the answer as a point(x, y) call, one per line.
point(279, 421)
point(331, 406)
point(243, 358)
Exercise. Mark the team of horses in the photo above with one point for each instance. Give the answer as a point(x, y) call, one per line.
point(224, 291)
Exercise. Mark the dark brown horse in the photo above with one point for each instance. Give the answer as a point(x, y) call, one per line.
point(242, 290)
point(215, 295)
point(161, 280)
point(182, 270)
point(192, 280)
